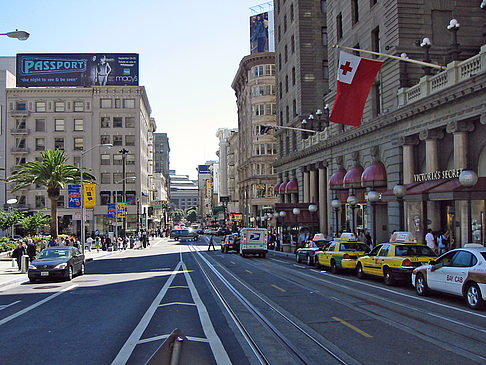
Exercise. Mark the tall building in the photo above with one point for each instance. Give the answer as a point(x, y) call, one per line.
point(74, 120)
point(420, 128)
point(232, 158)
point(184, 193)
point(161, 153)
point(254, 85)
point(224, 197)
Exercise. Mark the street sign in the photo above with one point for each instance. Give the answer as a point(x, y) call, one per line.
point(111, 210)
point(74, 196)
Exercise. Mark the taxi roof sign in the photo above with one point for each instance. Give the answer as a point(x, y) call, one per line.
point(348, 236)
point(319, 237)
point(403, 237)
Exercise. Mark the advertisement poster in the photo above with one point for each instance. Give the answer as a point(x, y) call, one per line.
point(111, 210)
point(262, 33)
point(74, 195)
point(77, 69)
point(89, 195)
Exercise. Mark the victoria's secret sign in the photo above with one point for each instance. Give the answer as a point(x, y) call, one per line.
point(437, 175)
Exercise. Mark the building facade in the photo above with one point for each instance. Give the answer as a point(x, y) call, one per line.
point(254, 85)
point(161, 154)
point(420, 128)
point(184, 193)
point(74, 120)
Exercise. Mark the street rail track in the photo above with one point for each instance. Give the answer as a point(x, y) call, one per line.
point(291, 349)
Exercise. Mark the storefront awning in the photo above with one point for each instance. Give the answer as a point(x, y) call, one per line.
point(336, 180)
point(292, 186)
point(352, 179)
point(374, 175)
point(276, 188)
point(281, 189)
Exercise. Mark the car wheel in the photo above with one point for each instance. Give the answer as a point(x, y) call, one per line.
point(297, 258)
point(359, 271)
point(264, 255)
point(32, 280)
point(473, 296)
point(387, 277)
point(421, 285)
point(309, 260)
point(334, 268)
point(82, 269)
point(70, 273)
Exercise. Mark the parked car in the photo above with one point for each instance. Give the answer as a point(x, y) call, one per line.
point(394, 261)
point(459, 272)
point(343, 253)
point(183, 234)
point(222, 231)
point(308, 253)
point(230, 242)
point(56, 263)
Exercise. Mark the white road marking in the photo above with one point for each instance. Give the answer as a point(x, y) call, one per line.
point(2, 307)
point(175, 303)
point(300, 266)
point(163, 337)
point(318, 271)
point(129, 346)
point(456, 322)
point(35, 305)
point(179, 286)
point(286, 262)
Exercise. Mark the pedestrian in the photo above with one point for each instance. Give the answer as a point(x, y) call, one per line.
point(18, 253)
point(211, 242)
point(31, 249)
point(89, 242)
point(144, 239)
point(52, 242)
point(442, 243)
point(430, 240)
point(43, 244)
point(97, 243)
point(368, 240)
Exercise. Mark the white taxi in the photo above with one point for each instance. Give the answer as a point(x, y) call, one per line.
point(460, 272)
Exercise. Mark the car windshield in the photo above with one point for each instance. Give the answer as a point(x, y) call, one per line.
point(53, 254)
point(413, 250)
point(353, 246)
point(321, 243)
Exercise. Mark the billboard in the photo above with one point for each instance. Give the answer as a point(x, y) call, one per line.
point(262, 33)
point(77, 69)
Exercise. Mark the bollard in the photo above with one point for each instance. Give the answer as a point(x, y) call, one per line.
point(24, 263)
point(14, 264)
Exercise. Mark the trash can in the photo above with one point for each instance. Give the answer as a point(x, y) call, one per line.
point(286, 247)
point(24, 263)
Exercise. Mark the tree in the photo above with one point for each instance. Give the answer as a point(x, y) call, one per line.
point(32, 223)
point(191, 215)
point(177, 215)
point(51, 172)
point(9, 217)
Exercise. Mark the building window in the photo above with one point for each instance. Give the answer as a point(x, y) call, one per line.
point(19, 160)
point(78, 143)
point(324, 36)
point(59, 125)
point(286, 54)
point(325, 70)
point(117, 159)
point(373, 3)
point(60, 201)
point(280, 62)
point(40, 201)
point(40, 125)
point(323, 6)
point(356, 53)
point(40, 106)
point(287, 113)
point(105, 122)
point(118, 104)
point(105, 140)
point(286, 83)
point(279, 33)
point(354, 11)
point(292, 44)
point(117, 122)
point(280, 89)
point(79, 106)
point(285, 23)
point(59, 143)
point(129, 140)
point(291, 13)
point(20, 124)
point(339, 26)
point(104, 197)
point(294, 108)
point(59, 106)
point(117, 140)
point(270, 70)
point(40, 144)
point(105, 178)
point(117, 179)
point(376, 99)
point(129, 122)
point(130, 177)
point(375, 40)
point(78, 124)
point(105, 159)
point(130, 159)
point(105, 103)
point(293, 75)
point(129, 103)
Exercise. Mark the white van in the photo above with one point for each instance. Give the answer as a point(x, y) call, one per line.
point(253, 241)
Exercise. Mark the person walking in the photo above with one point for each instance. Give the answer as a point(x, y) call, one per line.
point(89, 242)
point(31, 249)
point(211, 243)
point(430, 239)
point(18, 253)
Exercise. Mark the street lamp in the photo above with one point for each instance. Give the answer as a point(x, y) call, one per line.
point(400, 191)
point(373, 197)
point(326, 110)
point(426, 44)
point(304, 126)
point(116, 203)
point(12, 202)
point(352, 201)
point(468, 179)
point(83, 234)
point(453, 27)
point(21, 35)
point(336, 204)
point(312, 209)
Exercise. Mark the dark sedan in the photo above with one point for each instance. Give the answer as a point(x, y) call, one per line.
point(57, 263)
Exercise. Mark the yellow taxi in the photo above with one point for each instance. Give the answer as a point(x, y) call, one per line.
point(342, 253)
point(394, 260)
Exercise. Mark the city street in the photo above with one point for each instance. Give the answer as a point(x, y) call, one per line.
point(231, 310)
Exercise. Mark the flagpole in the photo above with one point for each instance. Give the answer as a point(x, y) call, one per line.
point(433, 65)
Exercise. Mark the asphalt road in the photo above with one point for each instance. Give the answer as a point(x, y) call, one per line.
point(231, 310)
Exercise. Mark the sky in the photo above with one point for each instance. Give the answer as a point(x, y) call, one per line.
point(189, 52)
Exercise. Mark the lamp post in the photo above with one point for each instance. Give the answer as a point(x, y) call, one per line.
point(453, 27)
point(336, 204)
point(303, 124)
point(426, 44)
point(124, 152)
point(21, 35)
point(400, 191)
point(12, 202)
point(313, 209)
point(468, 179)
point(326, 111)
point(373, 197)
point(352, 201)
point(83, 233)
point(116, 202)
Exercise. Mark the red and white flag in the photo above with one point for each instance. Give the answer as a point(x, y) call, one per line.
point(355, 78)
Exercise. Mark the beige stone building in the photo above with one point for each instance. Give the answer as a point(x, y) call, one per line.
point(254, 85)
point(74, 120)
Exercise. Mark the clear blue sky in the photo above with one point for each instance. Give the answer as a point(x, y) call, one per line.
point(189, 54)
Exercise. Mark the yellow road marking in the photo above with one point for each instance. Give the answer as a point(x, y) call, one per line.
point(232, 262)
point(248, 271)
point(354, 328)
point(279, 288)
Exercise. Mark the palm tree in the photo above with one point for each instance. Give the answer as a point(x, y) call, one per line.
point(53, 173)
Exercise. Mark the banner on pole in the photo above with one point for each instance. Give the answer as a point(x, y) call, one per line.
point(74, 196)
point(89, 195)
